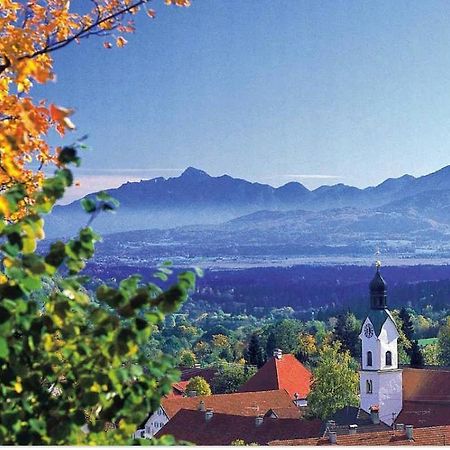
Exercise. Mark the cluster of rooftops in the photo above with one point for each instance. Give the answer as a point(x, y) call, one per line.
point(270, 408)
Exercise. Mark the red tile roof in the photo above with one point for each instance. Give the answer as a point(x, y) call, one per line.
point(285, 413)
point(424, 414)
point(178, 389)
point(242, 404)
point(422, 436)
point(426, 385)
point(286, 373)
point(426, 397)
point(223, 429)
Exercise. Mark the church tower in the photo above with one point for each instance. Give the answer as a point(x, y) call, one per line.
point(380, 376)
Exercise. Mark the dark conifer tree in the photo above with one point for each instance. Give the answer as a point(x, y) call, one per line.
point(302, 356)
point(347, 331)
point(255, 352)
point(416, 355)
point(271, 344)
point(407, 328)
point(407, 325)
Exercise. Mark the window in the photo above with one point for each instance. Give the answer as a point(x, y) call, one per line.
point(369, 358)
point(389, 358)
point(369, 386)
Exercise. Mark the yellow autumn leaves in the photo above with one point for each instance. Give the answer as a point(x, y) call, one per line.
point(29, 33)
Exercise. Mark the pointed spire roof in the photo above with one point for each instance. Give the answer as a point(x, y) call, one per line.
point(378, 288)
point(378, 285)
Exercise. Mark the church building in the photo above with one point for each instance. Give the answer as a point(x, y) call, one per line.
point(380, 375)
point(391, 397)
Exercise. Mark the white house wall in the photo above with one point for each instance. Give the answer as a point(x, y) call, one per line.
point(155, 422)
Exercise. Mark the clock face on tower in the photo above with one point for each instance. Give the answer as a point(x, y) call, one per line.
point(368, 330)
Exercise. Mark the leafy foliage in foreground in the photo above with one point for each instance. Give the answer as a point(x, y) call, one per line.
point(71, 367)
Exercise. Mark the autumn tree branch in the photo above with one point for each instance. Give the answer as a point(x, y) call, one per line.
point(83, 33)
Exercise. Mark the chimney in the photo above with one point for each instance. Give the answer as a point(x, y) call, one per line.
point(409, 432)
point(353, 428)
point(209, 414)
point(375, 414)
point(201, 406)
point(259, 420)
point(192, 393)
point(331, 425)
point(277, 353)
point(333, 438)
point(399, 427)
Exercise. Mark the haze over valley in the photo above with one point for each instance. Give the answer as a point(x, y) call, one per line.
point(229, 222)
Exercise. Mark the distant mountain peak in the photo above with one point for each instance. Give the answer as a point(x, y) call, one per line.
point(196, 198)
point(193, 173)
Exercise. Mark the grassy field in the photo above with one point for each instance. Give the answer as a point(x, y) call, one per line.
point(428, 341)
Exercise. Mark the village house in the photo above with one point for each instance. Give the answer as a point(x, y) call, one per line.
point(277, 402)
point(283, 382)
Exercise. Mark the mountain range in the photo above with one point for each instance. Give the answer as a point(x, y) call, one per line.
point(233, 215)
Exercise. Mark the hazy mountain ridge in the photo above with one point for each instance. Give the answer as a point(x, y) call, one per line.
point(223, 214)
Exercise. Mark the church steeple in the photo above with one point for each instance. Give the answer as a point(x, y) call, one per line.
point(378, 288)
point(380, 376)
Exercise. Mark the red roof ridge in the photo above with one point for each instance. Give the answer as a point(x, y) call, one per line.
point(243, 403)
point(427, 369)
point(200, 397)
point(277, 372)
point(285, 372)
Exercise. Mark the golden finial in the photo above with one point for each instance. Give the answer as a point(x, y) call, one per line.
point(377, 261)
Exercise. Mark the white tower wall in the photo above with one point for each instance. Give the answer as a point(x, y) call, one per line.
point(385, 380)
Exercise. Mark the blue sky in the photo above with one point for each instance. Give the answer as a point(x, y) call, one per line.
point(315, 91)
